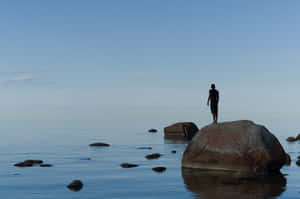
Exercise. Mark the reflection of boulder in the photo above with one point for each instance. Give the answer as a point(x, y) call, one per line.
point(221, 185)
point(241, 146)
point(181, 130)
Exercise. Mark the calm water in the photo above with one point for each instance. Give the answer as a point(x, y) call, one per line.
point(66, 147)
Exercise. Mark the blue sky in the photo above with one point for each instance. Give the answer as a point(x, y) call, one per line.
point(91, 60)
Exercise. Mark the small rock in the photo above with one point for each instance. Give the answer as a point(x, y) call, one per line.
point(288, 160)
point(298, 137)
point(144, 147)
point(28, 163)
point(291, 139)
point(23, 164)
point(99, 144)
point(46, 165)
point(85, 158)
point(159, 169)
point(298, 162)
point(153, 156)
point(173, 151)
point(152, 130)
point(76, 185)
point(128, 165)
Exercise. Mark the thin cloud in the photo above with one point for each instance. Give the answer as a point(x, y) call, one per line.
point(24, 77)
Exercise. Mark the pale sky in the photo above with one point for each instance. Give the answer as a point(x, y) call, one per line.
point(121, 60)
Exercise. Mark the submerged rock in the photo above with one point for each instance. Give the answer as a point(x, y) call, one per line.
point(152, 130)
point(144, 147)
point(128, 165)
point(240, 146)
point(76, 185)
point(159, 169)
point(181, 130)
point(173, 151)
point(99, 144)
point(153, 156)
point(298, 162)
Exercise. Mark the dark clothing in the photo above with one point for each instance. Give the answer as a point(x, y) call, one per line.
point(214, 99)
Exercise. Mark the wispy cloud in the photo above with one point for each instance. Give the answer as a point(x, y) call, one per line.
point(24, 77)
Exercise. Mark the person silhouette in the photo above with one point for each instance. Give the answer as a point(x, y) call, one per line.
point(213, 99)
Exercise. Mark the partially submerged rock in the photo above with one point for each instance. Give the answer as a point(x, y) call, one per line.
point(181, 130)
point(173, 151)
point(46, 165)
point(298, 162)
point(240, 146)
point(153, 156)
point(159, 169)
point(100, 144)
point(76, 185)
point(144, 147)
point(128, 165)
point(291, 139)
point(28, 163)
point(152, 130)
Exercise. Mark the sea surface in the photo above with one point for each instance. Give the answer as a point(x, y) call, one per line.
point(66, 146)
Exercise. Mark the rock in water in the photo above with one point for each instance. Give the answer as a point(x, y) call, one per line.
point(152, 130)
point(99, 144)
point(240, 146)
point(291, 139)
point(76, 185)
point(159, 169)
point(153, 156)
point(181, 130)
point(128, 165)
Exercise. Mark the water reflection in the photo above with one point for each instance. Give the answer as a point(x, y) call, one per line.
point(216, 185)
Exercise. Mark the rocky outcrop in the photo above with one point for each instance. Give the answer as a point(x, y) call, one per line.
point(291, 139)
point(28, 163)
point(128, 165)
point(159, 169)
point(181, 130)
point(240, 146)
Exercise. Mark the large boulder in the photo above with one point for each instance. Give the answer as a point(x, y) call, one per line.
point(181, 130)
point(240, 146)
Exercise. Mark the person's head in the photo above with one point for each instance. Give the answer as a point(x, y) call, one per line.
point(213, 86)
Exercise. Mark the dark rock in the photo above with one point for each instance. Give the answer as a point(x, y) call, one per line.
point(128, 165)
point(298, 137)
point(240, 146)
point(291, 139)
point(288, 159)
point(159, 169)
point(181, 130)
point(23, 164)
point(298, 157)
point(85, 158)
point(99, 144)
point(173, 151)
point(28, 163)
point(76, 185)
point(46, 165)
point(153, 156)
point(152, 130)
point(145, 147)
point(298, 162)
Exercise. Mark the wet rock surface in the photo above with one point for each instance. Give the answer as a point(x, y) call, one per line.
point(28, 163)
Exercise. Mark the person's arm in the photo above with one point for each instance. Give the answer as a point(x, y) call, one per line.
point(208, 99)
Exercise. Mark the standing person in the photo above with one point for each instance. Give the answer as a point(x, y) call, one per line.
point(213, 99)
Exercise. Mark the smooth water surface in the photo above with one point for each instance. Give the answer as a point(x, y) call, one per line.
point(66, 147)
